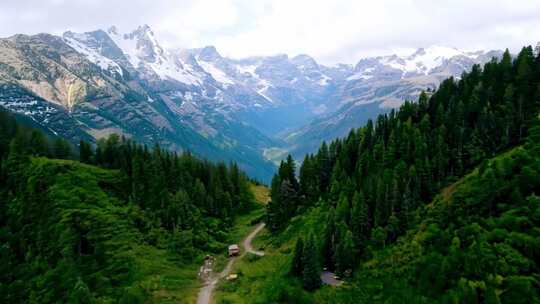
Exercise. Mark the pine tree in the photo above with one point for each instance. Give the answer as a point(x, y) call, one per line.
point(297, 266)
point(274, 210)
point(38, 144)
point(343, 209)
point(288, 199)
point(328, 245)
point(309, 184)
point(345, 253)
point(16, 161)
point(80, 294)
point(85, 152)
point(61, 149)
point(140, 182)
point(311, 279)
point(379, 236)
point(324, 165)
point(393, 227)
point(289, 172)
point(360, 221)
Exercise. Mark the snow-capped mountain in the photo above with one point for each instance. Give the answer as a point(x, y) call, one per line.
point(272, 93)
point(137, 51)
point(146, 55)
point(432, 60)
point(378, 84)
point(88, 85)
point(91, 45)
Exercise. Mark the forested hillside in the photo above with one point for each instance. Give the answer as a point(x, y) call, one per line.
point(478, 241)
point(85, 233)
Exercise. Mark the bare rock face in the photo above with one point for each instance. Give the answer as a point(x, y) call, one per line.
point(48, 67)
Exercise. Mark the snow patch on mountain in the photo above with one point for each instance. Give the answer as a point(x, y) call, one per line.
point(77, 43)
point(364, 74)
point(128, 46)
point(216, 73)
point(359, 76)
point(422, 62)
point(263, 87)
point(324, 81)
point(143, 50)
point(247, 69)
point(168, 69)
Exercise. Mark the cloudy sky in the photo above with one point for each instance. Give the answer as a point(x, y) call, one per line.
point(331, 31)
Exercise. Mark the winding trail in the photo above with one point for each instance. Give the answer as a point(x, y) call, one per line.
point(205, 294)
point(249, 239)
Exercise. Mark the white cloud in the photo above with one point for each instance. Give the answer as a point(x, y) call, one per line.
point(331, 31)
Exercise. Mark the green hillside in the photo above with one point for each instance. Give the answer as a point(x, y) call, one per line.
point(77, 234)
point(478, 241)
point(432, 203)
point(131, 226)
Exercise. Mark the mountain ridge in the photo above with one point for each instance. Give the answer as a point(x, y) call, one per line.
point(128, 83)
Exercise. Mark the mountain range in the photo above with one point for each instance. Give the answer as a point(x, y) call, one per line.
point(252, 111)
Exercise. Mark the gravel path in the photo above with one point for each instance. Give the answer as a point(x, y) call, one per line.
point(249, 239)
point(210, 282)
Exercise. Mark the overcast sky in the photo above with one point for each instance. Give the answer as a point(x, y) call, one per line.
point(331, 31)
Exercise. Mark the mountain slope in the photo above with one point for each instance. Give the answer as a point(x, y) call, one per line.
point(471, 245)
point(243, 110)
point(85, 83)
point(132, 230)
point(379, 84)
point(434, 203)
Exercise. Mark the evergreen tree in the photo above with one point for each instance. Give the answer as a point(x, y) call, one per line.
point(311, 279)
point(16, 162)
point(273, 217)
point(324, 165)
point(360, 222)
point(85, 152)
point(61, 149)
point(343, 209)
point(80, 294)
point(328, 242)
point(297, 266)
point(309, 184)
point(289, 199)
point(288, 172)
point(345, 253)
point(38, 144)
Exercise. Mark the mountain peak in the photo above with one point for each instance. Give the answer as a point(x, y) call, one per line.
point(419, 52)
point(304, 60)
point(423, 61)
point(112, 30)
point(437, 51)
point(141, 32)
point(144, 29)
point(209, 53)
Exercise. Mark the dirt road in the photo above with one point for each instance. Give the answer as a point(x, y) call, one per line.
point(211, 280)
point(249, 239)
